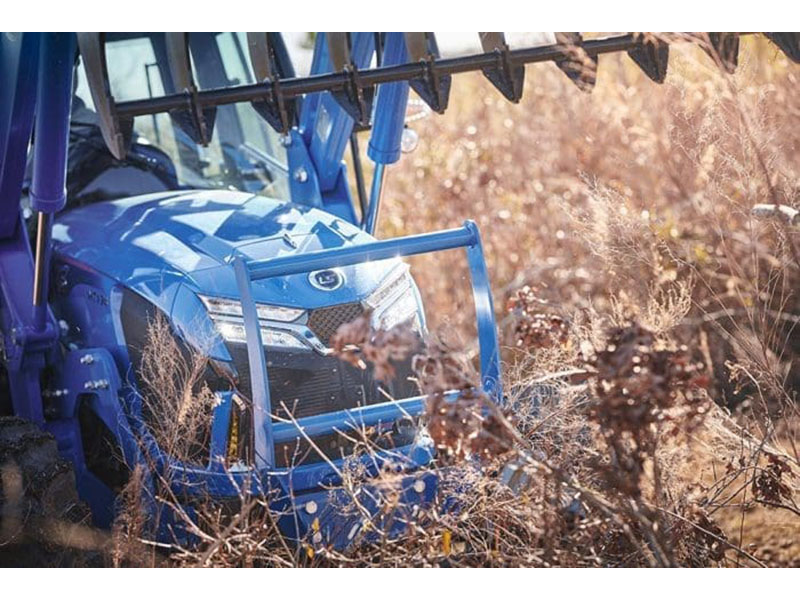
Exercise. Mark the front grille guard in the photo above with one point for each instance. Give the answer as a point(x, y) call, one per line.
point(267, 433)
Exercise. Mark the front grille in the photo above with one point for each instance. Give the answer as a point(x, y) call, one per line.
point(325, 321)
point(311, 384)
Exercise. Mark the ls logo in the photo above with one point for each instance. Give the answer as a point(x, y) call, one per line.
point(326, 280)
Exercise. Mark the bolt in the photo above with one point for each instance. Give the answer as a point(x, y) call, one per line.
point(300, 175)
point(101, 384)
point(87, 359)
point(311, 507)
point(317, 538)
point(419, 486)
point(286, 140)
point(89, 385)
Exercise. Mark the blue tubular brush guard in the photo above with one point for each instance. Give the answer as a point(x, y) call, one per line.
point(266, 434)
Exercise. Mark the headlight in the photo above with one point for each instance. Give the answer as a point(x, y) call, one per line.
point(398, 281)
point(394, 302)
point(227, 317)
point(266, 312)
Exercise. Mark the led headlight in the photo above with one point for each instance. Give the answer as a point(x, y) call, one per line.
point(232, 331)
point(233, 308)
point(227, 317)
point(394, 302)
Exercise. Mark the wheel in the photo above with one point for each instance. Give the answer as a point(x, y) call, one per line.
point(37, 495)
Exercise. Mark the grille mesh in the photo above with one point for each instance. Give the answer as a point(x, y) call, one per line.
point(325, 321)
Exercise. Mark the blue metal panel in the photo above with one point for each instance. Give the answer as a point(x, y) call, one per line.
point(220, 424)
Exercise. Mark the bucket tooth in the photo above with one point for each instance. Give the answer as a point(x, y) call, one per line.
point(788, 42)
point(506, 77)
point(577, 64)
point(652, 56)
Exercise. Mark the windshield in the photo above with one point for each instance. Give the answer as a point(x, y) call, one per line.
point(245, 153)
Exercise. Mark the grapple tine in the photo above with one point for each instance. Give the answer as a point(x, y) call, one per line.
point(355, 98)
point(577, 65)
point(433, 87)
point(652, 56)
point(258, 48)
point(198, 123)
point(338, 50)
point(266, 50)
point(117, 132)
point(417, 45)
point(507, 78)
point(724, 49)
point(788, 42)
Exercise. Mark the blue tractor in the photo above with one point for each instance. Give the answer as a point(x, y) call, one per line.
point(196, 180)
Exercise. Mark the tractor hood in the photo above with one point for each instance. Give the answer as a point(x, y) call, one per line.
point(164, 244)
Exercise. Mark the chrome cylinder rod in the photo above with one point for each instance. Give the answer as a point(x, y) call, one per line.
point(44, 232)
point(373, 210)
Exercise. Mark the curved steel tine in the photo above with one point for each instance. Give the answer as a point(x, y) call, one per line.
point(260, 56)
point(338, 50)
point(507, 78)
point(280, 113)
point(417, 45)
point(193, 120)
point(652, 56)
point(577, 65)
point(433, 88)
point(117, 133)
point(724, 49)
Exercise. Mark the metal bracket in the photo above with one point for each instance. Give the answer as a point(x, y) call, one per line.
point(433, 87)
point(652, 56)
point(196, 121)
point(265, 51)
point(506, 77)
point(578, 65)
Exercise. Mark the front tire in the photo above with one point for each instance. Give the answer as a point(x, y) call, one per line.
point(37, 493)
